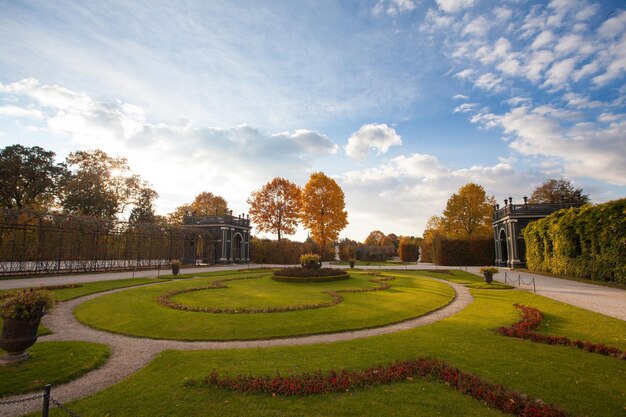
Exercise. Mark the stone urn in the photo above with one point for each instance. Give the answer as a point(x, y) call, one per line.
point(488, 273)
point(18, 334)
point(488, 276)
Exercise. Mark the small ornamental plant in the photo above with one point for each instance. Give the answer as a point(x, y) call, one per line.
point(310, 260)
point(175, 265)
point(488, 273)
point(26, 304)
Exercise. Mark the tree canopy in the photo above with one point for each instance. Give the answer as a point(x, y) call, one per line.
point(100, 185)
point(468, 212)
point(204, 204)
point(275, 208)
point(375, 238)
point(555, 191)
point(323, 209)
point(29, 177)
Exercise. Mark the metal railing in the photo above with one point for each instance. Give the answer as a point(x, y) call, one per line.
point(520, 281)
point(47, 399)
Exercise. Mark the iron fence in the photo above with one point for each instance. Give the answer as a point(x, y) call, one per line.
point(51, 243)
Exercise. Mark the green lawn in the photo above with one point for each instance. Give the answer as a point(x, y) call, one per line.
point(51, 363)
point(136, 312)
point(582, 383)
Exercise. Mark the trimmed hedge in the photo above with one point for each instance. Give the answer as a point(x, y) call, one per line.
point(408, 252)
point(463, 252)
point(587, 242)
point(309, 275)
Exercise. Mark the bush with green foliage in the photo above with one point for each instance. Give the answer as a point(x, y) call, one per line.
point(465, 252)
point(309, 275)
point(587, 242)
point(408, 252)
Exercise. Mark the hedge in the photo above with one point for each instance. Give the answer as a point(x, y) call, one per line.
point(463, 252)
point(587, 242)
point(408, 252)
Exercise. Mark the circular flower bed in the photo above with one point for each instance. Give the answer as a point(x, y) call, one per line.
point(309, 275)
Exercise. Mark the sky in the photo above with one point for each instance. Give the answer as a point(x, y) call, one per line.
point(400, 101)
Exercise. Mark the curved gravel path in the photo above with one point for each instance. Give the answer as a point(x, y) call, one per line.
point(129, 354)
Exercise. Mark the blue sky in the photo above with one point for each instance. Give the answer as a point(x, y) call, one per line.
point(401, 101)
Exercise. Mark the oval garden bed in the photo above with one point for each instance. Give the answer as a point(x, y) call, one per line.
point(309, 275)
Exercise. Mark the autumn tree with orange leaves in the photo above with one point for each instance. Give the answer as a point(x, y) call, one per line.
point(322, 209)
point(204, 204)
point(275, 207)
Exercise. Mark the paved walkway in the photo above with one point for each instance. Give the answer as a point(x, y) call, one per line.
point(605, 300)
point(129, 354)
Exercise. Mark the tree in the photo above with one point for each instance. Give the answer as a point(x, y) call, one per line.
point(323, 209)
point(468, 212)
point(275, 207)
point(143, 211)
point(29, 178)
point(375, 238)
point(204, 204)
point(99, 185)
point(209, 204)
point(558, 191)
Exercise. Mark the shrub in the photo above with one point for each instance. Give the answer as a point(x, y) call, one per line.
point(496, 396)
point(587, 242)
point(309, 275)
point(408, 252)
point(531, 319)
point(462, 251)
point(26, 304)
point(265, 251)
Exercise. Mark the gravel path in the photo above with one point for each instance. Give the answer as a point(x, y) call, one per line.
point(129, 354)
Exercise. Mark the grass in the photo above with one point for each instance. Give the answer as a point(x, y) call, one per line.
point(87, 288)
point(374, 263)
point(584, 384)
point(51, 363)
point(136, 312)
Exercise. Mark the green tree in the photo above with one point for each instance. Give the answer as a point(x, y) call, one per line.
point(29, 177)
point(323, 209)
point(143, 210)
point(555, 191)
point(468, 212)
point(100, 185)
point(275, 207)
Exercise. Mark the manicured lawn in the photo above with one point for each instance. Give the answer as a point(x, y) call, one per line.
point(51, 363)
point(87, 288)
point(584, 384)
point(136, 311)
point(374, 263)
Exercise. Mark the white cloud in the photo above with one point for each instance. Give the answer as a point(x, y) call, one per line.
point(465, 108)
point(372, 136)
point(466, 73)
point(560, 72)
point(488, 81)
point(542, 40)
point(502, 13)
point(454, 6)
point(477, 27)
point(614, 26)
point(460, 97)
point(393, 7)
point(16, 112)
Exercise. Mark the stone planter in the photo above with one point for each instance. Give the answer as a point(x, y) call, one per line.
point(488, 277)
point(17, 336)
point(312, 265)
point(175, 269)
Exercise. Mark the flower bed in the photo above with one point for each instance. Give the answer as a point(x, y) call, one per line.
point(531, 319)
point(495, 396)
point(336, 298)
point(309, 275)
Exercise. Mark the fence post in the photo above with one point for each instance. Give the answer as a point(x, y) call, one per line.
point(534, 288)
point(519, 280)
point(46, 401)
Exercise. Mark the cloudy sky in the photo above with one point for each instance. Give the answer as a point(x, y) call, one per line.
point(401, 101)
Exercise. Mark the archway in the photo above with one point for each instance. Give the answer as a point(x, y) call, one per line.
point(237, 247)
point(504, 248)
